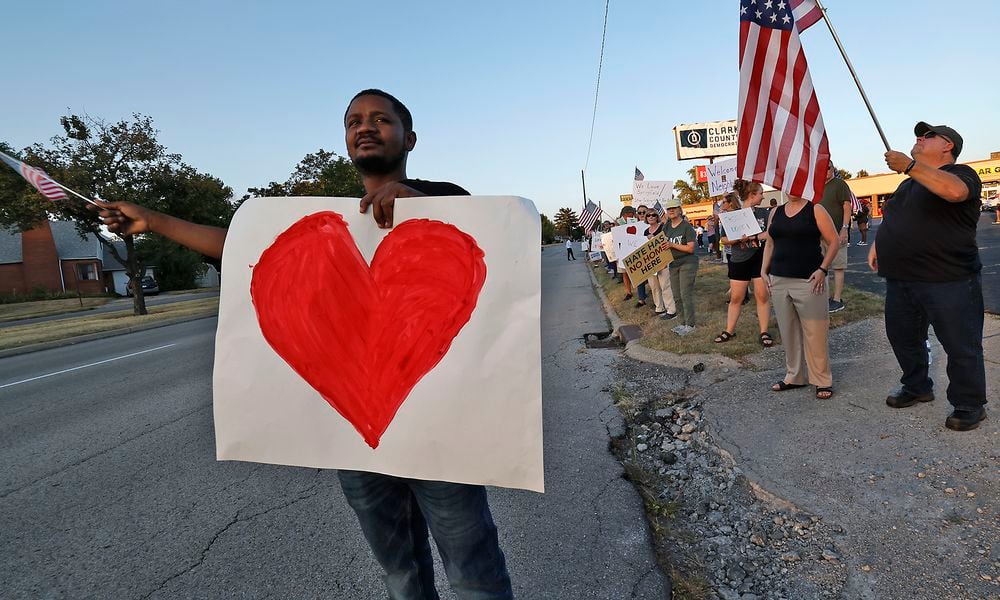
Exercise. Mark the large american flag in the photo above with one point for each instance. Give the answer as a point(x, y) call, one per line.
point(36, 177)
point(782, 140)
point(589, 215)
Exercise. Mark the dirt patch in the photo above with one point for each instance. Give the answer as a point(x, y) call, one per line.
point(714, 533)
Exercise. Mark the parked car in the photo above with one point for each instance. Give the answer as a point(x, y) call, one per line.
point(149, 286)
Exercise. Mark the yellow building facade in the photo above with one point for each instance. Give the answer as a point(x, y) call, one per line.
point(879, 188)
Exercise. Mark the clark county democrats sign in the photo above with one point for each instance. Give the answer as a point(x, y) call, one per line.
point(699, 140)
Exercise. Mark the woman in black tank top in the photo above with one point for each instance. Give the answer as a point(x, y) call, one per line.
point(795, 271)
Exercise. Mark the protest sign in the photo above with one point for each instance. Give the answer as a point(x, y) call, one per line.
point(596, 245)
point(627, 238)
point(344, 346)
point(608, 246)
point(739, 223)
point(595, 257)
point(647, 259)
point(648, 193)
point(721, 176)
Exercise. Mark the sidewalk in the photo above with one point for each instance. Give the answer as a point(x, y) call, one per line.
point(914, 507)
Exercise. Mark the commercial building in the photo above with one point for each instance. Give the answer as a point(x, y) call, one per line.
point(879, 188)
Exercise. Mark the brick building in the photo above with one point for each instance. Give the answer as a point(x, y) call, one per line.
point(53, 257)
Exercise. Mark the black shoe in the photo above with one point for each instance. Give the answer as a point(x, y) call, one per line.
point(668, 316)
point(965, 419)
point(903, 399)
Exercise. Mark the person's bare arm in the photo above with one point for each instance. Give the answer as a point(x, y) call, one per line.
point(829, 234)
point(941, 183)
point(846, 225)
point(125, 218)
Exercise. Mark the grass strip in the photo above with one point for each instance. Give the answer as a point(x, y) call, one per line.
point(43, 308)
point(36, 333)
point(712, 302)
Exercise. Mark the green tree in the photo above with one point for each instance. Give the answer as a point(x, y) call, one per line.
point(691, 192)
point(862, 173)
point(567, 223)
point(844, 174)
point(120, 161)
point(321, 173)
point(548, 230)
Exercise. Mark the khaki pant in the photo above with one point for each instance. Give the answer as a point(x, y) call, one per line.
point(804, 321)
point(663, 297)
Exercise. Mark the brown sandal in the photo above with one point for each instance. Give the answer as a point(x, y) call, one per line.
point(766, 340)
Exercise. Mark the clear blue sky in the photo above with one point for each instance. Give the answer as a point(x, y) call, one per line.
point(502, 93)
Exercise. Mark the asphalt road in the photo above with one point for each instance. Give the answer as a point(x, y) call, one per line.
point(109, 487)
point(117, 304)
point(987, 235)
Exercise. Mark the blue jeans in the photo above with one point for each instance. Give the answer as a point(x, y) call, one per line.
point(395, 513)
point(641, 291)
point(955, 310)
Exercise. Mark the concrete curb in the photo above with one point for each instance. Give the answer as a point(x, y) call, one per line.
point(99, 335)
point(636, 351)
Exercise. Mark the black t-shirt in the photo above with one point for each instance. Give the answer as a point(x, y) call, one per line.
point(435, 188)
point(925, 238)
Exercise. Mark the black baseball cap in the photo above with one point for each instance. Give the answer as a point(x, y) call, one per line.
point(921, 128)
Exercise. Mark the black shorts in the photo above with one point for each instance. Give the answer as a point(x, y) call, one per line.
point(748, 269)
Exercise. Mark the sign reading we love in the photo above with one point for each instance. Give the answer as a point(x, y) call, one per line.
point(342, 345)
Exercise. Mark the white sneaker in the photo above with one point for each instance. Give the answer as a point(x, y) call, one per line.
point(686, 330)
point(678, 329)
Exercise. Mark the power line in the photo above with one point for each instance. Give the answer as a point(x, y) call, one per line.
point(597, 91)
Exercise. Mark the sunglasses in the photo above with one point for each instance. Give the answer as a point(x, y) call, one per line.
point(933, 134)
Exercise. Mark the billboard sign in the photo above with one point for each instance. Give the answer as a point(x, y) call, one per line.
point(699, 140)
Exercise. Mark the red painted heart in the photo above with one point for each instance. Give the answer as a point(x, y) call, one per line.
point(364, 336)
point(630, 229)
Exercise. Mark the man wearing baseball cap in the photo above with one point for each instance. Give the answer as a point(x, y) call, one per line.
point(926, 250)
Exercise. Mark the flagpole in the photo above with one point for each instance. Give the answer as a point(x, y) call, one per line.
point(80, 196)
point(857, 81)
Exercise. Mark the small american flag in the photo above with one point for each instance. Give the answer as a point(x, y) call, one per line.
point(782, 139)
point(658, 208)
point(36, 177)
point(638, 175)
point(855, 203)
point(589, 215)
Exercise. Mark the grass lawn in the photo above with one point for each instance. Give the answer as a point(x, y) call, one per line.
point(23, 335)
point(712, 293)
point(44, 308)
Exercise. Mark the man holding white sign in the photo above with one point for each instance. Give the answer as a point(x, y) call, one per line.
point(394, 512)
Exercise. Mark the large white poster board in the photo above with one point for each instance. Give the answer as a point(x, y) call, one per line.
point(649, 192)
point(721, 176)
point(608, 246)
point(342, 345)
point(739, 223)
point(627, 239)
